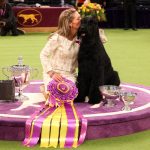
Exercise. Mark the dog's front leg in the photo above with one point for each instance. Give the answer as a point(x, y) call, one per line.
point(82, 89)
point(95, 95)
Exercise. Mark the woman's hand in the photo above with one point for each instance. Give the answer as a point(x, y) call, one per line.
point(55, 76)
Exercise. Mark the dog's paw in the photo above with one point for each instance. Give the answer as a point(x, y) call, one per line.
point(97, 105)
point(86, 99)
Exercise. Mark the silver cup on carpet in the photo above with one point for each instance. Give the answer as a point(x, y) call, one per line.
point(128, 98)
point(21, 75)
point(110, 93)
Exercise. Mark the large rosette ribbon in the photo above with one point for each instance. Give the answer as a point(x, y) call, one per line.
point(59, 123)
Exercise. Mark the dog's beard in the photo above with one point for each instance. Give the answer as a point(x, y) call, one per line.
point(81, 33)
point(88, 31)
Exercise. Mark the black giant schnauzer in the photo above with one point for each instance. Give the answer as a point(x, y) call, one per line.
point(95, 67)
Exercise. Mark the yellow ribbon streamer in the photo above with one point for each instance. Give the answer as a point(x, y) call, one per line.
point(46, 129)
point(32, 127)
point(55, 128)
point(63, 130)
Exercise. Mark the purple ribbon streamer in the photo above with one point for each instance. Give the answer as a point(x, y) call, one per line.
point(71, 126)
point(83, 128)
point(38, 126)
point(28, 124)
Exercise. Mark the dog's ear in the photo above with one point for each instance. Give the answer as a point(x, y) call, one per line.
point(95, 20)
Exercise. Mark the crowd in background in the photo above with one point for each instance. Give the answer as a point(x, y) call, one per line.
point(8, 21)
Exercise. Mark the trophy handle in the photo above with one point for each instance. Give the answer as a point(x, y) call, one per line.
point(36, 72)
point(4, 70)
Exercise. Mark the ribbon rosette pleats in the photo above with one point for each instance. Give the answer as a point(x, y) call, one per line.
point(61, 92)
point(59, 124)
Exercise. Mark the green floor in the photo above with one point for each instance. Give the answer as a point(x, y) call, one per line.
point(130, 55)
point(138, 141)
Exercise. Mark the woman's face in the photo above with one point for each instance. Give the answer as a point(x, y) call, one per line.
point(75, 24)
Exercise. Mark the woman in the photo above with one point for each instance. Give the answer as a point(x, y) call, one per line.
point(59, 59)
point(59, 56)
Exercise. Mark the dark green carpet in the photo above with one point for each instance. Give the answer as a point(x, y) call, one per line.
point(138, 141)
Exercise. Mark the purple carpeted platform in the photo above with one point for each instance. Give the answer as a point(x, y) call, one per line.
point(102, 122)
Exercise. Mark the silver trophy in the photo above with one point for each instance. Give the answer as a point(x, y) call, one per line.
point(110, 93)
point(128, 98)
point(21, 75)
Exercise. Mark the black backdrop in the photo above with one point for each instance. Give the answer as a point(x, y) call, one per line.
point(114, 11)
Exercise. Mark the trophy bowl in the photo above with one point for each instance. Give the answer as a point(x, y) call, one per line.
point(128, 98)
point(21, 75)
point(110, 93)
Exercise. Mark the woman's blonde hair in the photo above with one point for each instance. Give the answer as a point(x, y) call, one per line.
point(64, 21)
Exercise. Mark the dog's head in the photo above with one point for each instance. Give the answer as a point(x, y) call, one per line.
point(89, 27)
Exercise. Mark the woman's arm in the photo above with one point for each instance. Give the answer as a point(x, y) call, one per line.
point(48, 49)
